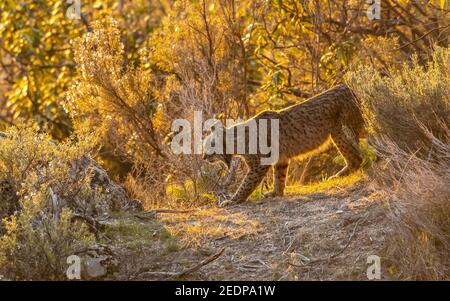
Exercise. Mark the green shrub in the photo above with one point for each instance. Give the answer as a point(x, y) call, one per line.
point(39, 192)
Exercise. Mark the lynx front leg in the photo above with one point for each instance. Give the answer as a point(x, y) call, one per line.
point(252, 179)
point(349, 151)
point(279, 178)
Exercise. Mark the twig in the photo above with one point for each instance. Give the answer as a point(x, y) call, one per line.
point(93, 225)
point(249, 266)
point(422, 36)
point(348, 242)
point(171, 211)
point(184, 272)
point(336, 254)
point(151, 214)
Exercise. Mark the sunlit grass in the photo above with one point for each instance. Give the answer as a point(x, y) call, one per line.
point(327, 184)
point(131, 230)
point(208, 223)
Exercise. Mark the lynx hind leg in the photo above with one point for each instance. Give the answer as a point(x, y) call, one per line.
point(349, 150)
point(253, 178)
point(279, 179)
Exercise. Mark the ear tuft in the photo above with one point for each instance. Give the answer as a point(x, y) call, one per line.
point(212, 125)
point(216, 125)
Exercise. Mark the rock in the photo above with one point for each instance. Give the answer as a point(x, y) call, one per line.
point(94, 268)
point(117, 197)
point(99, 262)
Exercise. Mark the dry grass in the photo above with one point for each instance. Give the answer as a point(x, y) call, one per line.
point(272, 239)
point(419, 200)
point(194, 229)
point(267, 239)
point(327, 185)
point(408, 113)
point(401, 105)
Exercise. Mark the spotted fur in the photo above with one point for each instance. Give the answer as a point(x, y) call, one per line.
point(303, 128)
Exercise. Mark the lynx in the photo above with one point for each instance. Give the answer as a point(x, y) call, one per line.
point(303, 128)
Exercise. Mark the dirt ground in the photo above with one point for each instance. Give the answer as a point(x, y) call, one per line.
point(319, 236)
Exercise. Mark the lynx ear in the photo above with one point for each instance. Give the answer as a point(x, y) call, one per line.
point(212, 125)
point(218, 125)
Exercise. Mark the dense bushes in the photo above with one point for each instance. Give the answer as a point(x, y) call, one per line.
point(130, 69)
point(40, 191)
point(408, 104)
point(408, 113)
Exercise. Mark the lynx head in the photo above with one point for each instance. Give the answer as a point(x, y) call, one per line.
point(214, 149)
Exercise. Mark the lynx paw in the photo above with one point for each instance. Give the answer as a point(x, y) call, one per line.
point(271, 194)
point(229, 202)
point(225, 203)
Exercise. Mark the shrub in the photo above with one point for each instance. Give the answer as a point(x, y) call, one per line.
point(116, 100)
point(408, 114)
point(419, 203)
point(39, 194)
point(408, 102)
